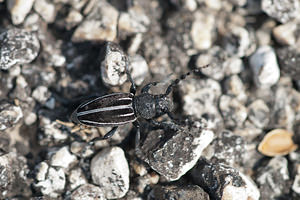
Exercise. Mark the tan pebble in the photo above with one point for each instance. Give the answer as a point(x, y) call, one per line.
point(277, 142)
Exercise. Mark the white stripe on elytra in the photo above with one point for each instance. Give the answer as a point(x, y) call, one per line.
point(104, 109)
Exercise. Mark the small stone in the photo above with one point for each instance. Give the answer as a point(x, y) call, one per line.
point(273, 180)
point(88, 192)
point(202, 96)
point(50, 132)
point(13, 176)
point(248, 131)
point(173, 153)
point(202, 30)
point(113, 66)
point(227, 148)
point(139, 69)
point(10, 115)
point(221, 181)
point(283, 10)
point(19, 9)
point(259, 113)
point(234, 113)
point(46, 9)
point(41, 94)
point(109, 170)
point(289, 58)
point(54, 183)
point(144, 181)
point(296, 184)
point(133, 21)
point(63, 158)
point(285, 34)
point(239, 41)
point(277, 142)
point(76, 178)
point(99, 25)
point(264, 66)
point(191, 192)
point(42, 171)
point(17, 46)
point(73, 19)
point(235, 87)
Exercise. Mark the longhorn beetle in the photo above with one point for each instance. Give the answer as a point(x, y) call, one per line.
point(121, 108)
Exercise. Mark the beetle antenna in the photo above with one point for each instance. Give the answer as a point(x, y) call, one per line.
point(182, 77)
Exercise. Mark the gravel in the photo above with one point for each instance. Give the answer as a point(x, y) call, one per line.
point(55, 55)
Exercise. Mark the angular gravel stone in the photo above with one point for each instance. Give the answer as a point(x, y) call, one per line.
point(133, 21)
point(46, 9)
point(63, 158)
point(227, 148)
point(202, 30)
point(273, 179)
point(76, 178)
point(239, 41)
point(259, 113)
point(173, 153)
point(296, 184)
point(190, 192)
point(19, 9)
point(9, 115)
point(264, 66)
point(289, 59)
point(285, 34)
point(53, 183)
point(100, 24)
point(41, 94)
point(109, 170)
point(235, 87)
point(221, 182)
point(17, 46)
point(139, 68)
point(234, 113)
point(113, 69)
point(283, 10)
point(202, 96)
point(13, 176)
point(88, 192)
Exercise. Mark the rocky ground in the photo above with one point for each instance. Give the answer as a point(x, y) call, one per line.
point(241, 113)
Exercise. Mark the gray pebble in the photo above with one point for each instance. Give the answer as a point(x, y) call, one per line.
point(224, 182)
point(113, 69)
point(289, 59)
point(41, 94)
point(227, 148)
point(99, 25)
point(259, 113)
point(285, 34)
point(88, 192)
point(283, 10)
point(190, 192)
point(173, 154)
point(264, 66)
point(10, 115)
point(19, 10)
point(139, 68)
point(76, 178)
point(234, 112)
point(109, 170)
point(46, 9)
point(63, 158)
point(273, 179)
point(18, 46)
point(50, 181)
point(235, 87)
point(13, 176)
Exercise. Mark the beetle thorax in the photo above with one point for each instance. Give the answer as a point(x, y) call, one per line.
point(145, 106)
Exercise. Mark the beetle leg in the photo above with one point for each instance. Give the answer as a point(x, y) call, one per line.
point(147, 87)
point(133, 87)
point(138, 134)
point(106, 136)
point(179, 121)
point(164, 125)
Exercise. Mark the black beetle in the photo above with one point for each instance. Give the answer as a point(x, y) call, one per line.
point(121, 108)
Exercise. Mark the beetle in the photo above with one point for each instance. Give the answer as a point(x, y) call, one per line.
point(118, 109)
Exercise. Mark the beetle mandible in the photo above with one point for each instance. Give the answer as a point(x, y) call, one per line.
point(117, 109)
